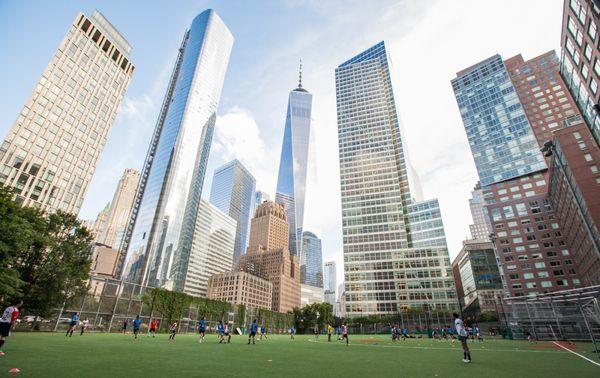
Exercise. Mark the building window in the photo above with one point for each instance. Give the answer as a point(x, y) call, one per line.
point(588, 157)
point(594, 86)
point(592, 30)
point(588, 52)
point(597, 67)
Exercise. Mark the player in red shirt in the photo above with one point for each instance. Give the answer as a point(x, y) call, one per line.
point(15, 316)
point(153, 325)
point(6, 322)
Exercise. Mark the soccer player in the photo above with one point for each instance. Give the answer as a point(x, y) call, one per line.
point(221, 331)
point(292, 333)
point(253, 328)
point(201, 329)
point(263, 332)
point(316, 332)
point(329, 332)
point(84, 326)
point(173, 330)
point(136, 326)
point(461, 331)
point(72, 324)
point(14, 317)
point(227, 332)
point(345, 332)
point(152, 330)
point(6, 322)
point(124, 330)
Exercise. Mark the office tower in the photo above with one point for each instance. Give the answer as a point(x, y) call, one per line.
point(291, 182)
point(310, 294)
point(232, 191)
point(478, 229)
point(241, 288)
point(268, 256)
point(120, 209)
point(311, 260)
point(531, 251)
point(50, 153)
point(212, 248)
point(478, 282)
point(100, 222)
point(377, 210)
point(104, 260)
point(330, 282)
point(159, 238)
point(580, 58)
point(260, 197)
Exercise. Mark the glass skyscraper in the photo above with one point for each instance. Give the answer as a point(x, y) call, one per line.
point(232, 192)
point(386, 268)
point(311, 260)
point(164, 218)
point(291, 182)
point(501, 140)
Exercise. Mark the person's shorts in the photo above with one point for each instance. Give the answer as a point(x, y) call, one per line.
point(73, 324)
point(252, 333)
point(201, 330)
point(4, 329)
point(462, 338)
point(136, 330)
point(152, 329)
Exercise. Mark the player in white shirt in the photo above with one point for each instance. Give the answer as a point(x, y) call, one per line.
point(463, 335)
point(6, 322)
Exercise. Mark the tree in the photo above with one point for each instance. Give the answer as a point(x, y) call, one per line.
point(170, 304)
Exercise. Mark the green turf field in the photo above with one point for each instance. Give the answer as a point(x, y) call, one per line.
point(116, 355)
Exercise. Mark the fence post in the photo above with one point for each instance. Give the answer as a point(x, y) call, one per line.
point(112, 315)
point(62, 308)
point(530, 320)
point(562, 337)
point(588, 328)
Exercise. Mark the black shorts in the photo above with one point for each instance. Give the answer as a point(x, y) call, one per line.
point(5, 329)
point(136, 330)
point(201, 330)
point(252, 334)
point(463, 338)
point(152, 329)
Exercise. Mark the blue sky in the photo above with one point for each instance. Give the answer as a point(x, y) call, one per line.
point(428, 40)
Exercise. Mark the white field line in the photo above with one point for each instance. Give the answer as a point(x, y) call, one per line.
point(438, 348)
point(575, 353)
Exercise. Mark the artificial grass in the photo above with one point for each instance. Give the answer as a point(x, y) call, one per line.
point(117, 355)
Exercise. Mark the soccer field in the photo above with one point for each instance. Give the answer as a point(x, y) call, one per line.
point(116, 355)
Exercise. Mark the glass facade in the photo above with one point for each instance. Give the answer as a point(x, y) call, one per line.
point(291, 180)
point(311, 260)
point(232, 192)
point(50, 153)
point(502, 142)
point(212, 248)
point(330, 282)
point(164, 217)
point(386, 269)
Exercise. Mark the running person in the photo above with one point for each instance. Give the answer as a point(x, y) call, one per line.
point(345, 332)
point(227, 332)
point(124, 329)
point(292, 333)
point(136, 326)
point(173, 330)
point(329, 332)
point(461, 331)
point(316, 332)
point(221, 331)
point(84, 325)
point(6, 322)
point(72, 324)
point(201, 329)
point(152, 330)
point(253, 328)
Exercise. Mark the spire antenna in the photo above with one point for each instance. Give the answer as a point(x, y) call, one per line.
point(300, 75)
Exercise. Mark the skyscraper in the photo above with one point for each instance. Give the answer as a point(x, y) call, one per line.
point(291, 182)
point(120, 209)
point(505, 105)
point(163, 222)
point(377, 209)
point(233, 189)
point(51, 151)
point(330, 282)
point(479, 228)
point(260, 197)
point(311, 260)
point(212, 248)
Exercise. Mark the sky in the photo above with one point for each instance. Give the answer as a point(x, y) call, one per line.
point(428, 42)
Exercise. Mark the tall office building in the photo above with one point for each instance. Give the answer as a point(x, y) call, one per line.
point(479, 228)
point(311, 260)
point(395, 254)
point(330, 282)
point(212, 248)
point(291, 182)
point(233, 189)
point(162, 227)
point(580, 60)
point(50, 153)
point(504, 103)
point(268, 256)
point(100, 222)
point(260, 197)
point(120, 209)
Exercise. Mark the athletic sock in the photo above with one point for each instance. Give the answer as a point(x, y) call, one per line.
point(1, 343)
point(465, 355)
point(469, 356)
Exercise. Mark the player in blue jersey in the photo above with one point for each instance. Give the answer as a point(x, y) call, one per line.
point(137, 322)
point(201, 329)
point(221, 331)
point(72, 324)
point(253, 329)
